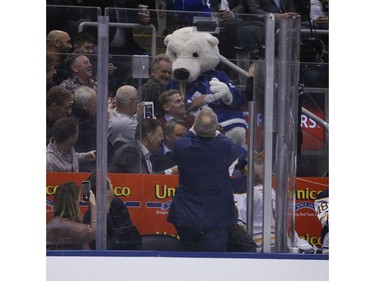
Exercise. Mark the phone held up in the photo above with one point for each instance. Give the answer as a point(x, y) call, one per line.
point(148, 109)
point(86, 187)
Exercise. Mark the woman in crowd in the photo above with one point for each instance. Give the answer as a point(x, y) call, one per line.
point(65, 230)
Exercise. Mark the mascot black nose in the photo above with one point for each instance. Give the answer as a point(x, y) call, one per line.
point(181, 74)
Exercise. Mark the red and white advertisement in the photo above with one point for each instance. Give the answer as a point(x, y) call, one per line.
point(148, 198)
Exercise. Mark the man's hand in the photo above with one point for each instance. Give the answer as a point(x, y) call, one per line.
point(111, 68)
point(196, 103)
point(226, 15)
point(286, 15)
point(91, 155)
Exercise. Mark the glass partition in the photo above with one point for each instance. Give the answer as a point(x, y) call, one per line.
point(259, 56)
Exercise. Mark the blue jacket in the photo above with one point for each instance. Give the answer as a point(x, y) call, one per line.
point(204, 197)
point(161, 161)
point(228, 116)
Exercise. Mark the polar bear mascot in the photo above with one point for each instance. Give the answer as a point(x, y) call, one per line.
point(194, 56)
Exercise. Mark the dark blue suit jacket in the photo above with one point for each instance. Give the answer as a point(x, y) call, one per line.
point(161, 161)
point(260, 7)
point(129, 158)
point(204, 197)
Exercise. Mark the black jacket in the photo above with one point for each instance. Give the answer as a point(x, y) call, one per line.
point(122, 234)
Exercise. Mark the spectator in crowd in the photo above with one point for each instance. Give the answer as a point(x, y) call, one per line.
point(65, 231)
point(241, 204)
point(134, 156)
point(58, 46)
point(84, 43)
point(80, 73)
point(162, 159)
point(319, 13)
point(122, 39)
point(321, 205)
point(178, 20)
point(58, 42)
point(122, 234)
point(203, 206)
point(123, 119)
point(317, 10)
point(226, 11)
point(188, 5)
point(59, 104)
point(312, 10)
point(174, 107)
point(227, 8)
point(51, 72)
point(61, 155)
point(122, 42)
point(84, 111)
point(161, 71)
point(281, 8)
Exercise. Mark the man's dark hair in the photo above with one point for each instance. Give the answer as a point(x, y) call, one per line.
point(92, 179)
point(64, 128)
point(71, 58)
point(83, 37)
point(146, 126)
point(58, 95)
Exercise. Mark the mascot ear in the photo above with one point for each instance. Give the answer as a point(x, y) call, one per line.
point(211, 39)
point(166, 40)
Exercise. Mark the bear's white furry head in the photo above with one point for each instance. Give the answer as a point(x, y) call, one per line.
point(192, 53)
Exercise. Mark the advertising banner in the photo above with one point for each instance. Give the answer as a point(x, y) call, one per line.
point(148, 198)
point(313, 132)
point(307, 224)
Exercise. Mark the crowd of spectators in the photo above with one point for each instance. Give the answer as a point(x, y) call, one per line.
point(138, 144)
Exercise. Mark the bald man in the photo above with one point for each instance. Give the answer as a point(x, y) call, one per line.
point(58, 41)
point(123, 119)
point(58, 46)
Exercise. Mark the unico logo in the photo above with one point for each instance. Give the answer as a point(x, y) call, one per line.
point(122, 191)
point(50, 190)
point(164, 191)
point(306, 194)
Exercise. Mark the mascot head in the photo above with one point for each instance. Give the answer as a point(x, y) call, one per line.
point(192, 53)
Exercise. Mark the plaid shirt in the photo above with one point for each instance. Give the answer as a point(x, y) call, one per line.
point(61, 161)
point(73, 83)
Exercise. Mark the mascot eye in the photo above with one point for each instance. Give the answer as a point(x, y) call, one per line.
point(195, 55)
